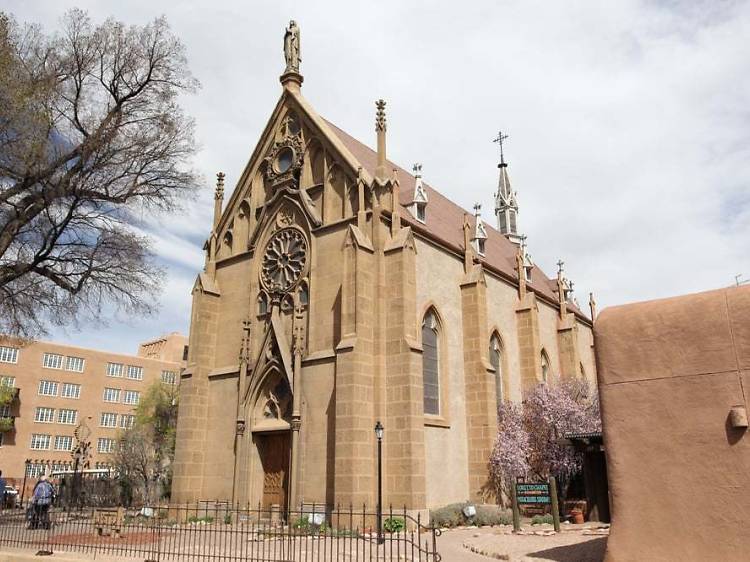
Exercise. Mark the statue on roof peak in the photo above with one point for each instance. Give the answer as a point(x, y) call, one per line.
point(292, 47)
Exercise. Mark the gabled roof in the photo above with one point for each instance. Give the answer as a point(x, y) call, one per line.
point(444, 222)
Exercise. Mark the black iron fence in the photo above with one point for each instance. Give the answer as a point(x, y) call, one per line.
point(218, 531)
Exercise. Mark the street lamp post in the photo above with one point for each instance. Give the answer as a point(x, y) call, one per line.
point(26, 463)
point(379, 434)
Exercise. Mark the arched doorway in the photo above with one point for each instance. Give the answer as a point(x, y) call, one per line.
point(271, 437)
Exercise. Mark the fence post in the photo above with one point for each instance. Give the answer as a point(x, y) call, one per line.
point(516, 513)
point(555, 507)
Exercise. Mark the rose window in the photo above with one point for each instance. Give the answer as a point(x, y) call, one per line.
point(284, 260)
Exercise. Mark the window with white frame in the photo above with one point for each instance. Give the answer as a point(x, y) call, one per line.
point(111, 394)
point(135, 372)
point(75, 364)
point(52, 361)
point(44, 415)
point(108, 419)
point(169, 377)
point(127, 421)
point(114, 369)
point(131, 397)
point(71, 390)
point(105, 445)
point(63, 442)
point(8, 381)
point(58, 466)
point(40, 442)
point(67, 416)
point(8, 354)
point(36, 469)
point(47, 388)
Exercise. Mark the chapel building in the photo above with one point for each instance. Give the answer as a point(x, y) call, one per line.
point(340, 290)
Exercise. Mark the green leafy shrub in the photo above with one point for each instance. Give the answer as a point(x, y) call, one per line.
point(394, 524)
point(196, 519)
point(228, 519)
point(542, 519)
point(302, 523)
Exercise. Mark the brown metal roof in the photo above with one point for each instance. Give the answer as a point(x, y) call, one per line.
point(445, 219)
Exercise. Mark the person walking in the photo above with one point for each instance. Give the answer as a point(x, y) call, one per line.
point(41, 500)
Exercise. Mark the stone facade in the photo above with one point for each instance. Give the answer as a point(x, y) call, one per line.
point(307, 329)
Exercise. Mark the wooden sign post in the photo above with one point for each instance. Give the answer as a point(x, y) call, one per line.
point(536, 495)
point(555, 507)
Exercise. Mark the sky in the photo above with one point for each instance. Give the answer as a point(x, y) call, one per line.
point(628, 124)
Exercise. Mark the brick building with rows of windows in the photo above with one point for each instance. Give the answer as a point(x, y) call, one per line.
point(57, 387)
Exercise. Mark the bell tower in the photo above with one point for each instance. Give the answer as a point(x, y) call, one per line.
point(506, 201)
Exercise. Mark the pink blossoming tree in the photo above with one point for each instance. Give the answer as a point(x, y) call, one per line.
point(529, 436)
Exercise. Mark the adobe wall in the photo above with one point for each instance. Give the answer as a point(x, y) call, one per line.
point(679, 474)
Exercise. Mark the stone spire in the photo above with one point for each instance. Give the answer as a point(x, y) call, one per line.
point(480, 234)
point(592, 306)
point(218, 198)
point(381, 173)
point(564, 288)
point(506, 201)
point(418, 204)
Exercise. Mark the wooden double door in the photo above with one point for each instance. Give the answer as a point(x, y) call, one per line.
point(274, 450)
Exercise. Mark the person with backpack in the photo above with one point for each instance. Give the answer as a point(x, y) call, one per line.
point(41, 500)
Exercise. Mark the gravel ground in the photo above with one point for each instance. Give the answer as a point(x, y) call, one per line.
point(576, 543)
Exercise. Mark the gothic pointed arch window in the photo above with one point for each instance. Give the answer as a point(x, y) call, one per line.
point(304, 294)
point(262, 304)
point(431, 363)
point(545, 366)
point(496, 360)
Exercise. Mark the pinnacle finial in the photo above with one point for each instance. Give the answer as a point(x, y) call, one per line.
point(219, 186)
point(417, 169)
point(499, 139)
point(560, 267)
point(380, 116)
point(477, 209)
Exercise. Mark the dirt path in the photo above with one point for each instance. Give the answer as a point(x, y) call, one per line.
point(500, 544)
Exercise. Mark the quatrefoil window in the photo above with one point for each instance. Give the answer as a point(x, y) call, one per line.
point(284, 260)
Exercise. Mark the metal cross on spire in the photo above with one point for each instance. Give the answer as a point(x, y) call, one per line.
point(500, 138)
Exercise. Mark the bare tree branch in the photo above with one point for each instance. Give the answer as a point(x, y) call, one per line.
point(91, 133)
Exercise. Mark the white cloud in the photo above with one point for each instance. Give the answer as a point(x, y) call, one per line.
point(628, 120)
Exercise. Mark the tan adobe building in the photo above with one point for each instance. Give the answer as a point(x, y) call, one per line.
point(340, 290)
point(60, 386)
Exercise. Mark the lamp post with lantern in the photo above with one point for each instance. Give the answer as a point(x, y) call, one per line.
point(379, 434)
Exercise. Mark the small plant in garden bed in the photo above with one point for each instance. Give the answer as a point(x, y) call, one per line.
point(542, 519)
point(196, 519)
point(302, 523)
point(394, 524)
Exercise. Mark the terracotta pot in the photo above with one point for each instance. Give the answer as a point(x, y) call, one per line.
point(577, 516)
